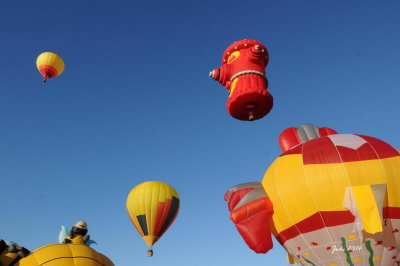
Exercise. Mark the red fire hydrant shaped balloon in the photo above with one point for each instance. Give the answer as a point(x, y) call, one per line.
point(243, 74)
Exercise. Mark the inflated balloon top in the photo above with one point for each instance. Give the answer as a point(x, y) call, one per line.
point(331, 199)
point(293, 136)
point(50, 65)
point(66, 255)
point(11, 254)
point(243, 74)
point(152, 207)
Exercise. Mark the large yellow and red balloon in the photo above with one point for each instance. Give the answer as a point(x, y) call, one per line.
point(152, 207)
point(336, 199)
point(50, 65)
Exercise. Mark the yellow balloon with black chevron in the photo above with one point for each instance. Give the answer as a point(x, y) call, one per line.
point(152, 207)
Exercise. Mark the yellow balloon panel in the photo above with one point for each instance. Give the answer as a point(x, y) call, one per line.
point(65, 255)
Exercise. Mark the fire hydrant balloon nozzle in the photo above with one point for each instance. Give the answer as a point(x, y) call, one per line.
point(221, 74)
point(243, 74)
point(212, 74)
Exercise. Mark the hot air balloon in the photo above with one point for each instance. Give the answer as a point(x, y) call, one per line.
point(336, 199)
point(243, 74)
point(152, 207)
point(50, 65)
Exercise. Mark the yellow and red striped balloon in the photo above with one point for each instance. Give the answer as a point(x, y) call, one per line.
point(50, 65)
point(336, 201)
point(152, 207)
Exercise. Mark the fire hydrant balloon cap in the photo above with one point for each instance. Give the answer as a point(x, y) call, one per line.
point(239, 45)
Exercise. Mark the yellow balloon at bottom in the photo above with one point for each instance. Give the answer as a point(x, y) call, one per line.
point(65, 255)
point(152, 207)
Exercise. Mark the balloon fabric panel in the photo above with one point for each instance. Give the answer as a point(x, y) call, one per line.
point(143, 224)
point(170, 208)
point(368, 208)
point(236, 197)
point(289, 139)
point(325, 131)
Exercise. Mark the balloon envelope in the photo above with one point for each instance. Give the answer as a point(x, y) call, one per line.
point(336, 201)
point(243, 74)
point(50, 65)
point(152, 207)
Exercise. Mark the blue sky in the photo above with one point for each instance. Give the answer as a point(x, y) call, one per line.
point(135, 103)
